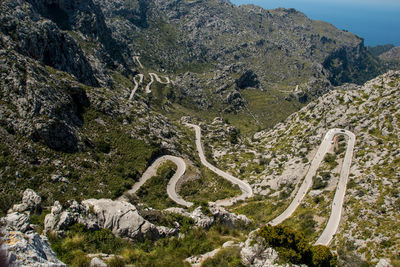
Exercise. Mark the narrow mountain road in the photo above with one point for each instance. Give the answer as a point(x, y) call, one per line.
point(244, 186)
point(155, 76)
point(338, 200)
point(136, 58)
point(152, 171)
point(141, 76)
point(337, 204)
point(148, 86)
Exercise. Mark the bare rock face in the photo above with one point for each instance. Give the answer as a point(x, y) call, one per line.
point(30, 202)
point(29, 249)
point(256, 254)
point(96, 262)
point(31, 199)
point(22, 245)
point(17, 218)
point(17, 222)
point(383, 263)
point(121, 217)
point(218, 214)
point(228, 218)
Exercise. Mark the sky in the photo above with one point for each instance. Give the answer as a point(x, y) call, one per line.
point(377, 21)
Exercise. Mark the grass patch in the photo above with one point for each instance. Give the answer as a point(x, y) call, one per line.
point(228, 257)
point(258, 210)
point(78, 242)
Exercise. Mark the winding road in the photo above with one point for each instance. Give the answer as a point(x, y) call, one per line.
point(337, 204)
point(141, 76)
point(181, 168)
point(338, 200)
point(152, 171)
point(136, 58)
point(244, 186)
point(155, 76)
point(327, 143)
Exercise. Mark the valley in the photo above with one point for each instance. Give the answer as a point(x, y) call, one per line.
point(194, 133)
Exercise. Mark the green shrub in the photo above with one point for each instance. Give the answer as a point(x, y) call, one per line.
point(292, 247)
point(229, 257)
point(290, 244)
point(103, 146)
point(318, 183)
point(116, 262)
point(322, 256)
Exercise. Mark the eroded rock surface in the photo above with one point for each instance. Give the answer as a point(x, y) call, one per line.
point(121, 217)
point(22, 245)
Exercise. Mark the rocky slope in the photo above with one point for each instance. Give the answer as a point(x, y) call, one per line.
point(67, 70)
point(275, 161)
point(391, 58)
point(96, 41)
point(23, 245)
point(69, 130)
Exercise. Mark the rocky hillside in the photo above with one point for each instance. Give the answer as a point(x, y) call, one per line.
point(275, 161)
point(72, 128)
point(67, 71)
point(391, 58)
point(227, 50)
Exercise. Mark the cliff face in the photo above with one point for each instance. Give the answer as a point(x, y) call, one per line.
point(92, 39)
point(220, 33)
point(72, 127)
point(61, 59)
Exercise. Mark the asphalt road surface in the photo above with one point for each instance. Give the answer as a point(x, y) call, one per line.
point(244, 186)
point(337, 204)
point(152, 171)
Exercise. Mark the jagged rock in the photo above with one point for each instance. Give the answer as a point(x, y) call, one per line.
point(31, 199)
point(96, 262)
point(17, 222)
point(228, 218)
point(29, 249)
point(383, 263)
point(235, 101)
point(197, 215)
point(121, 217)
point(17, 218)
point(219, 214)
point(255, 254)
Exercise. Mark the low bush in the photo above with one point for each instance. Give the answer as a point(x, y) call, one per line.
point(229, 257)
point(318, 183)
point(292, 247)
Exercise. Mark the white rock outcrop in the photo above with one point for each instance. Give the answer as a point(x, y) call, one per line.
point(96, 262)
point(23, 246)
point(383, 263)
point(121, 217)
point(218, 214)
point(29, 249)
point(255, 254)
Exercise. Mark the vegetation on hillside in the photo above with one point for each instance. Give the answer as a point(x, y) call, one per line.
point(78, 242)
point(292, 247)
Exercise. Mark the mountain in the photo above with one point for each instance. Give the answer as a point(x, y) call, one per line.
point(276, 161)
point(93, 91)
point(217, 42)
point(391, 58)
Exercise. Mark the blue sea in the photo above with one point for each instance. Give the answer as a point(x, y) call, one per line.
point(377, 21)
